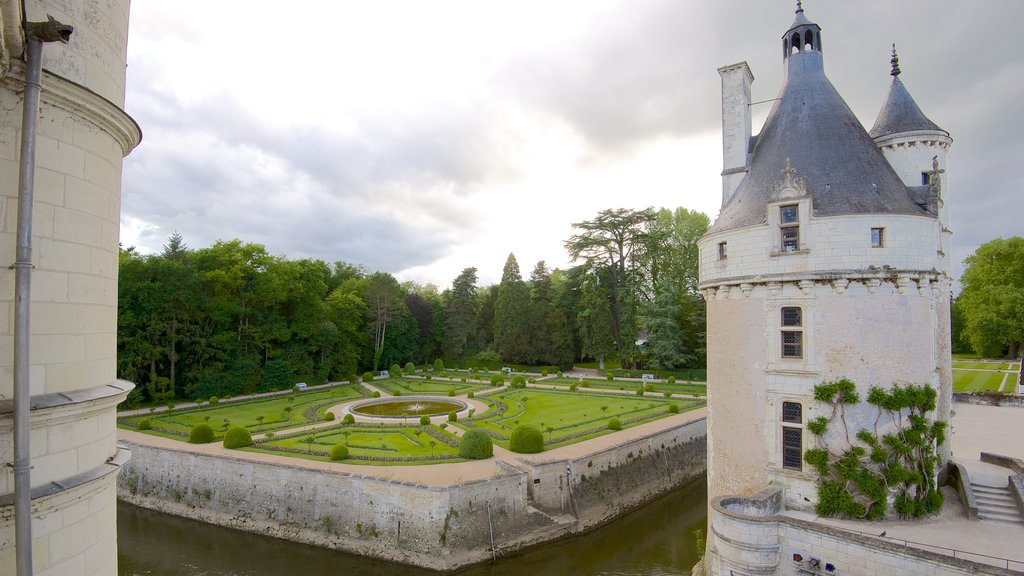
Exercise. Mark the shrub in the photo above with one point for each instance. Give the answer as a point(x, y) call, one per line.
point(673, 408)
point(214, 400)
point(237, 437)
point(614, 424)
point(296, 389)
point(671, 379)
point(348, 419)
point(497, 380)
point(428, 376)
point(609, 376)
point(559, 373)
point(352, 378)
point(666, 394)
point(410, 368)
point(451, 391)
point(424, 420)
point(531, 380)
point(640, 391)
point(145, 424)
point(396, 392)
point(438, 365)
point(471, 395)
point(453, 417)
point(367, 376)
point(339, 452)
point(572, 387)
point(518, 381)
point(476, 445)
point(543, 371)
point(329, 416)
point(396, 371)
point(201, 434)
point(648, 387)
point(376, 394)
point(526, 439)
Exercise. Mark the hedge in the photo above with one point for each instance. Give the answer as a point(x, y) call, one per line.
point(614, 424)
point(526, 439)
point(476, 445)
point(201, 434)
point(348, 419)
point(237, 437)
point(339, 452)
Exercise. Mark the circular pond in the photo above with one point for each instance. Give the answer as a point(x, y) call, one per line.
point(399, 408)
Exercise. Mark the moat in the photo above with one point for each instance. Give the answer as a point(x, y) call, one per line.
point(655, 540)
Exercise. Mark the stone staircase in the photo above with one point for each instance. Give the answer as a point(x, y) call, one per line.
point(995, 503)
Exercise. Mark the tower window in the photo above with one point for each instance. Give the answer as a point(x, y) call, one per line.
point(926, 178)
point(792, 332)
point(877, 237)
point(792, 412)
point(723, 250)
point(789, 226)
point(792, 447)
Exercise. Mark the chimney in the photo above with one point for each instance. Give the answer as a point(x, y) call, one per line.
point(736, 81)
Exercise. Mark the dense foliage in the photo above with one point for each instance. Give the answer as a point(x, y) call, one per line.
point(339, 452)
point(201, 434)
point(476, 445)
point(231, 319)
point(237, 437)
point(989, 313)
point(526, 439)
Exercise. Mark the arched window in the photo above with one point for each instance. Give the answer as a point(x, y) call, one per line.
point(795, 42)
point(809, 40)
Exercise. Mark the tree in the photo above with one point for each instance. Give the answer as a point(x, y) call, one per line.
point(992, 299)
point(511, 314)
point(614, 244)
point(595, 322)
point(460, 313)
point(384, 301)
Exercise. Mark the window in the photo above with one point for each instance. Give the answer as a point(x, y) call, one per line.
point(926, 178)
point(792, 447)
point(792, 412)
point(723, 250)
point(789, 224)
point(877, 237)
point(792, 332)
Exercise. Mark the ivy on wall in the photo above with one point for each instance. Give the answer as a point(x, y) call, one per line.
point(858, 479)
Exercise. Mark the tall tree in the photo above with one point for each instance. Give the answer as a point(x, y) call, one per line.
point(511, 314)
point(460, 313)
point(384, 302)
point(595, 321)
point(614, 243)
point(992, 299)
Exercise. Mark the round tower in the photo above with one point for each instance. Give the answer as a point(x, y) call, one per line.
point(82, 135)
point(821, 266)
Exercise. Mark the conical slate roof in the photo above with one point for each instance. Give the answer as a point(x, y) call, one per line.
point(900, 113)
point(812, 126)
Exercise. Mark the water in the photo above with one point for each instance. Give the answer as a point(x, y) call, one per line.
point(394, 408)
point(656, 540)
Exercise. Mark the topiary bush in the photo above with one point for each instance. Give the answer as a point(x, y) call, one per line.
point(214, 400)
point(395, 371)
point(201, 434)
point(609, 376)
point(471, 395)
point(348, 419)
point(673, 408)
point(410, 368)
point(329, 416)
point(352, 378)
point(376, 394)
point(518, 381)
point(438, 365)
point(526, 439)
point(640, 391)
point(451, 392)
point(145, 424)
point(453, 417)
point(396, 392)
point(614, 424)
point(237, 437)
point(424, 420)
point(476, 445)
point(671, 379)
point(367, 376)
point(339, 452)
point(497, 380)
point(572, 387)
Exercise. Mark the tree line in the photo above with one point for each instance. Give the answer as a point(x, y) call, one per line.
point(231, 318)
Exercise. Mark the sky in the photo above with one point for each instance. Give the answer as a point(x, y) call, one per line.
point(422, 138)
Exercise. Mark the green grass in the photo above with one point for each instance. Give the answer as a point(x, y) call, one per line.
point(432, 387)
point(271, 413)
point(387, 444)
point(571, 416)
point(629, 385)
point(983, 366)
point(973, 380)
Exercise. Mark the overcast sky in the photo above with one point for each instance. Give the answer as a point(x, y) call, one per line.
point(421, 138)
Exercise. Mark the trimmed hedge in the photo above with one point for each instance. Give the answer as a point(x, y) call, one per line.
point(367, 376)
point(348, 419)
point(438, 365)
point(673, 408)
point(526, 439)
point(395, 371)
point(201, 434)
point(237, 437)
point(518, 381)
point(497, 380)
point(410, 368)
point(476, 445)
point(424, 420)
point(614, 424)
point(214, 400)
point(329, 416)
point(339, 452)
point(453, 417)
point(145, 424)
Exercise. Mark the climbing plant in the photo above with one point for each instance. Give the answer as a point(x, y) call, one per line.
point(859, 477)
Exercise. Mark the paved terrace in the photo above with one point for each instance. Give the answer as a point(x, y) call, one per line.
point(975, 429)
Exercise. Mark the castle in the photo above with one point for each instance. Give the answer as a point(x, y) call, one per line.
point(82, 135)
point(830, 259)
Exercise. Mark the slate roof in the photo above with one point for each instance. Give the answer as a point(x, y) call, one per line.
point(900, 113)
point(812, 126)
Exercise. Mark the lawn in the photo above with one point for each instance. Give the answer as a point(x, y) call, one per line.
point(659, 386)
point(258, 415)
point(566, 417)
point(432, 387)
point(974, 380)
point(983, 365)
point(369, 444)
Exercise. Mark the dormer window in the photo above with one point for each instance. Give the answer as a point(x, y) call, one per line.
point(789, 227)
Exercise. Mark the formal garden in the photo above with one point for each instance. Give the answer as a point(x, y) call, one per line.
point(670, 385)
point(975, 375)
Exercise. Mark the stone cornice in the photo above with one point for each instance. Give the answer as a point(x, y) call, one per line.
point(79, 100)
point(839, 280)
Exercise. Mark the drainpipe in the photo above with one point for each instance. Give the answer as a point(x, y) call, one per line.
point(35, 34)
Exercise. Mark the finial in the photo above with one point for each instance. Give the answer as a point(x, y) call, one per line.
point(895, 62)
point(799, 6)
